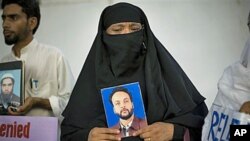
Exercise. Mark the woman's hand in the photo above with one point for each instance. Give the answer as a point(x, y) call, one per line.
point(159, 131)
point(101, 134)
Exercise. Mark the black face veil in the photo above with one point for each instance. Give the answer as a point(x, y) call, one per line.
point(168, 94)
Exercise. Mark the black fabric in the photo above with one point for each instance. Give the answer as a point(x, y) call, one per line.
point(125, 52)
point(179, 130)
point(121, 13)
point(168, 94)
point(124, 130)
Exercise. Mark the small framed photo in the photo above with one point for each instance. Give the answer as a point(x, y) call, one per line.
point(124, 108)
point(11, 86)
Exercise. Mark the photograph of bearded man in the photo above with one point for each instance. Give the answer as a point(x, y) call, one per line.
point(7, 95)
point(123, 107)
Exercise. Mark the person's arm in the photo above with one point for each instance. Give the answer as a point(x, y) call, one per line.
point(65, 85)
point(40, 102)
point(178, 132)
point(182, 133)
point(72, 132)
point(190, 124)
point(94, 131)
point(30, 103)
point(56, 102)
point(245, 107)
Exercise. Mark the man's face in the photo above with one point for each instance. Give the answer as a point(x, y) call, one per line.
point(14, 23)
point(7, 86)
point(123, 106)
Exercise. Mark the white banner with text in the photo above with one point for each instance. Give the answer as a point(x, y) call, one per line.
point(24, 128)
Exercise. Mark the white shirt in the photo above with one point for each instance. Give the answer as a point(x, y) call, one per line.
point(47, 75)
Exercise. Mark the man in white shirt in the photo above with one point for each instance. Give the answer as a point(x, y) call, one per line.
point(48, 78)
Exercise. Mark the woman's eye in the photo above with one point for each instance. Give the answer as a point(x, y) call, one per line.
point(117, 29)
point(135, 29)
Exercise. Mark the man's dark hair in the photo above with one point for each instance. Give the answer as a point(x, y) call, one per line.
point(29, 7)
point(120, 89)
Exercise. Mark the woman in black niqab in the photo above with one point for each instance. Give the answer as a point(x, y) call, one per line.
point(168, 94)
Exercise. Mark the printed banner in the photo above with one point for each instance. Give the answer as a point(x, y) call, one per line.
point(218, 121)
point(23, 128)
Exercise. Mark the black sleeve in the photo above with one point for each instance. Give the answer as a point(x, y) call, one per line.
point(193, 121)
point(71, 131)
point(179, 131)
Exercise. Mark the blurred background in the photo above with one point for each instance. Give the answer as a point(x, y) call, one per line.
point(204, 36)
